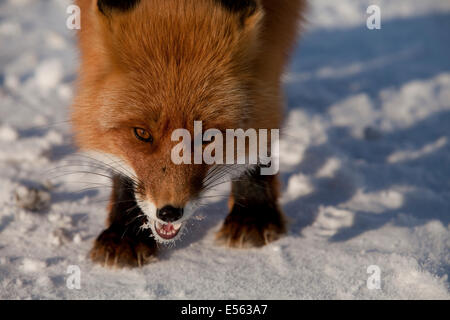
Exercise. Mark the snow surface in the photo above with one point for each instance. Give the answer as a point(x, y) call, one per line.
point(365, 166)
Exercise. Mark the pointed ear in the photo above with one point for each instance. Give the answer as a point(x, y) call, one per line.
point(246, 9)
point(106, 7)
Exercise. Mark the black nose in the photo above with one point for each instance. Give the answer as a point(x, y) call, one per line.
point(169, 214)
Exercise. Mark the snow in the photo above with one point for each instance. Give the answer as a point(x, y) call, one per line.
point(8, 134)
point(365, 167)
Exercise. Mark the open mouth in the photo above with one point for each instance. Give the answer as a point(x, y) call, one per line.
point(167, 231)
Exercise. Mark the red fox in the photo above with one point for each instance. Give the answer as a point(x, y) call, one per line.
point(149, 67)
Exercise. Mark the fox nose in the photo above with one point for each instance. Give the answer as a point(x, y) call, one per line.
point(169, 214)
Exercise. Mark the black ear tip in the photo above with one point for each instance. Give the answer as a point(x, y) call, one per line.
point(240, 6)
point(106, 6)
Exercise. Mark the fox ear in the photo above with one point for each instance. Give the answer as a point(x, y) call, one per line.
point(108, 6)
point(245, 8)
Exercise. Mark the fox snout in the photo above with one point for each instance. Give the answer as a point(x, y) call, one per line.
point(167, 196)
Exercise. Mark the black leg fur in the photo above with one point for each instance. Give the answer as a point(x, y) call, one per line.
point(255, 218)
point(124, 243)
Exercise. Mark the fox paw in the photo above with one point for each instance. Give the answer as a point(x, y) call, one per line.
point(115, 250)
point(247, 227)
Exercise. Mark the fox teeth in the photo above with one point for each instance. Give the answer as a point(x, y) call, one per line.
point(176, 226)
point(166, 233)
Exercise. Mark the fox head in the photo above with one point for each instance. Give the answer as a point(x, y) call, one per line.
point(150, 67)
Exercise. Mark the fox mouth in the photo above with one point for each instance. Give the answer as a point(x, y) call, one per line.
point(167, 231)
point(164, 232)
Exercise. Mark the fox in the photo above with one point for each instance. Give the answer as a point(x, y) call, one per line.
point(149, 67)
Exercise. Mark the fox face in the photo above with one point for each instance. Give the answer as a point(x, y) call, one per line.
point(152, 67)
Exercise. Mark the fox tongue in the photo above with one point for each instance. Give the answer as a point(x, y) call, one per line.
point(168, 227)
point(167, 231)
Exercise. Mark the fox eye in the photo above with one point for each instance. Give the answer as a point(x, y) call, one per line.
point(143, 135)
